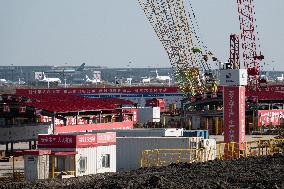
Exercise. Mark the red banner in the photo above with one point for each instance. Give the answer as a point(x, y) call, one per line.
point(146, 89)
point(267, 117)
point(76, 141)
point(86, 140)
point(106, 137)
point(98, 126)
point(59, 141)
point(60, 122)
point(234, 114)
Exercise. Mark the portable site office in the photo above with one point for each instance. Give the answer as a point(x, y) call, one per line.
point(71, 156)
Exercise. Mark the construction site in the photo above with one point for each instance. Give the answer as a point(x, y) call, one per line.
point(218, 125)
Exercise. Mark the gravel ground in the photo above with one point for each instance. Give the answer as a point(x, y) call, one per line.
point(256, 172)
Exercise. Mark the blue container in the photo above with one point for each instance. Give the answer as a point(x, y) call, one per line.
point(188, 133)
point(196, 133)
point(206, 134)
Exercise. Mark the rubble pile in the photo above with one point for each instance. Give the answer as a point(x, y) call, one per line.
point(254, 172)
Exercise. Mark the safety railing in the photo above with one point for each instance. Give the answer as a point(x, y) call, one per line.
point(227, 150)
point(232, 150)
point(163, 157)
point(256, 148)
point(276, 146)
point(19, 176)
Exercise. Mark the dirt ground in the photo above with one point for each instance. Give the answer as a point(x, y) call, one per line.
point(255, 172)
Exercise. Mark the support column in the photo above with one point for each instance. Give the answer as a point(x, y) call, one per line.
point(74, 165)
point(65, 121)
point(217, 125)
point(34, 144)
point(14, 168)
point(52, 166)
point(233, 79)
point(7, 148)
point(234, 114)
point(100, 118)
point(53, 124)
point(30, 145)
point(12, 147)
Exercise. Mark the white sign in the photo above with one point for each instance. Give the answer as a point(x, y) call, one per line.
point(232, 77)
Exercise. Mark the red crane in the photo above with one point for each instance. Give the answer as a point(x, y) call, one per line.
point(248, 39)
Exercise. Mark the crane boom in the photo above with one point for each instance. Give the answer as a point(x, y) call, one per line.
point(248, 37)
point(171, 22)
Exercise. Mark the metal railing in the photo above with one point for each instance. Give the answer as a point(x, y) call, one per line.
point(16, 176)
point(227, 150)
point(232, 150)
point(276, 146)
point(163, 157)
point(19, 176)
point(253, 148)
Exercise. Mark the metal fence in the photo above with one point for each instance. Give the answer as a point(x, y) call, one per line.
point(17, 176)
point(163, 157)
point(253, 148)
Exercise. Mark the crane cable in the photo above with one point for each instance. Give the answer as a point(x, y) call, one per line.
point(196, 31)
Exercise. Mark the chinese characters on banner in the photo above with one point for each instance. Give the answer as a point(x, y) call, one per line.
point(85, 140)
point(125, 90)
point(234, 114)
point(96, 126)
point(66, 141)
point(60, 122)
point(76, 141)
point(267, 117)
point(106, 137)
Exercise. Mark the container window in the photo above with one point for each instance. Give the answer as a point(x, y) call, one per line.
point(106, 160)
point(31, 158)
point(83, 164)
point(60, 163)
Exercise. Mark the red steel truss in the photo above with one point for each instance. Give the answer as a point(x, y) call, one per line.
point(234, 51)
point(248, 37)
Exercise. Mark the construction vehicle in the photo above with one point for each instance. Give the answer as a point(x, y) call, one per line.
point(175, 25)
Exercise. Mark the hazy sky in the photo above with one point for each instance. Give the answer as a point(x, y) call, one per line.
point(115, 32)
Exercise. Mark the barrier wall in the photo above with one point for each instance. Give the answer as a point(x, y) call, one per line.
point(23, 133)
